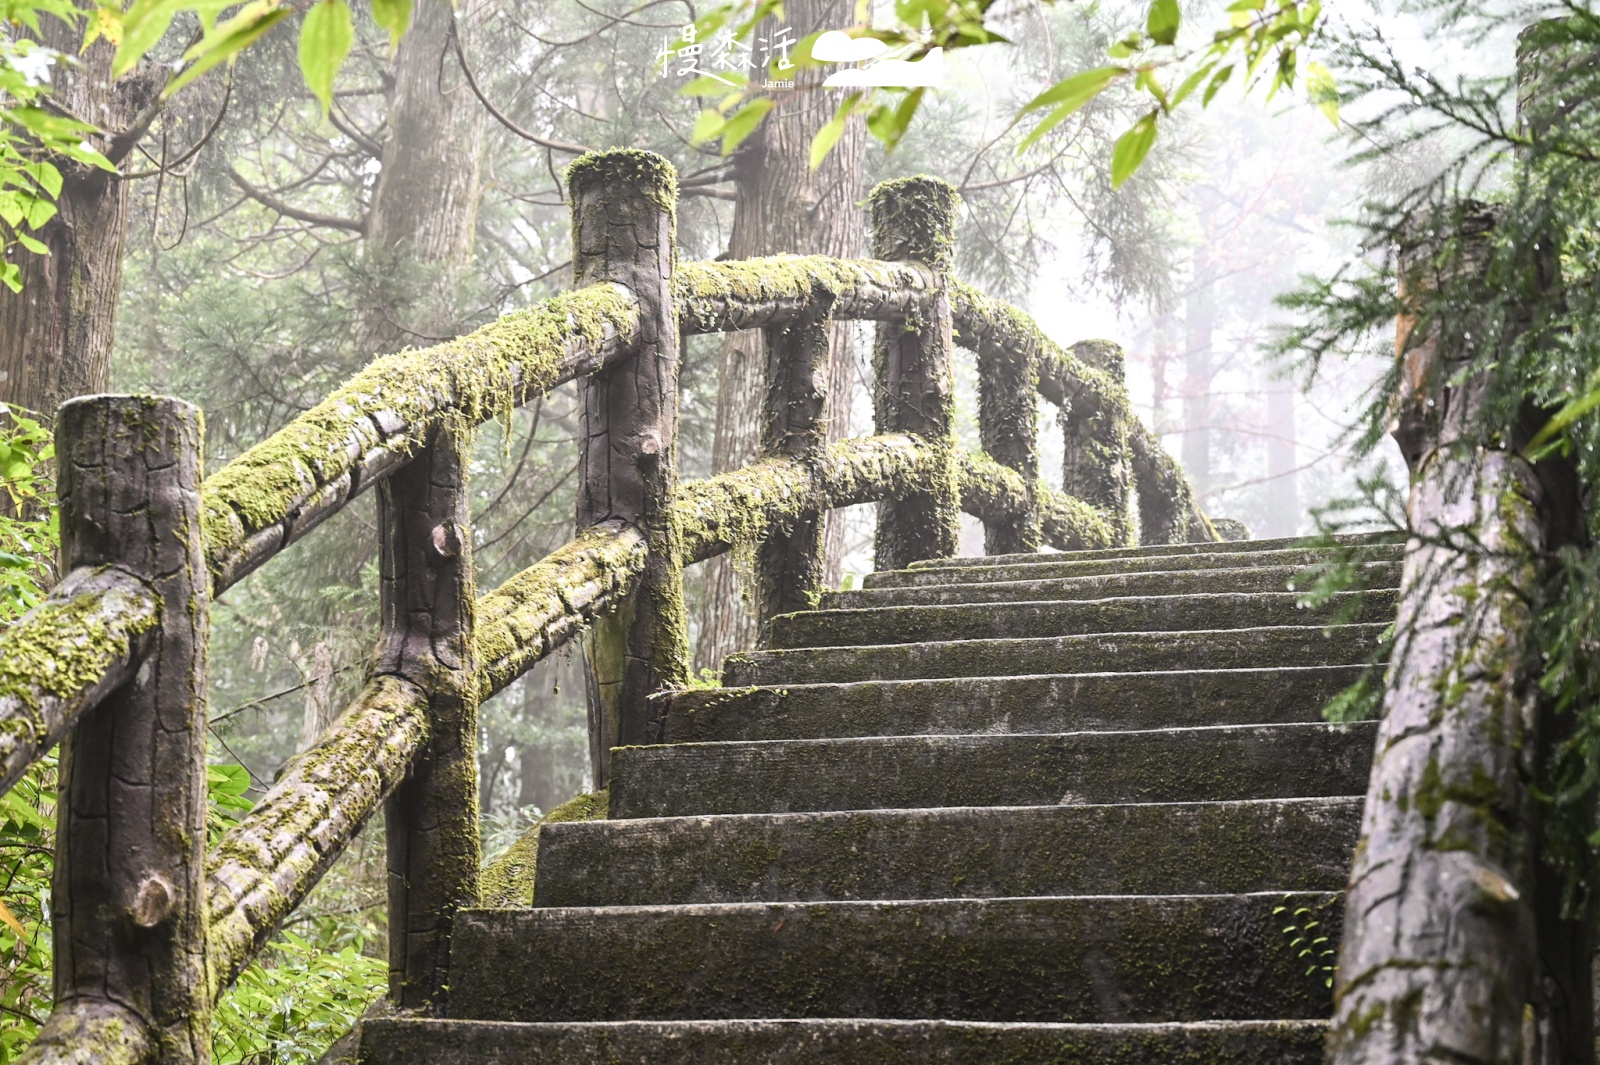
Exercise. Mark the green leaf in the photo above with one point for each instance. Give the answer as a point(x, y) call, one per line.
point(1131, 148)
point(1076, 90)
point(1322, 89)
point(707, 125)
point(1163, 21)
point(889, 124)
point(715, 85)
point(829, 134)
point(325, 39)
point(1217, 82)
point(38, 247)
point(239, 32)
point(1192, 82)
point(742, 123)
point(394, 16)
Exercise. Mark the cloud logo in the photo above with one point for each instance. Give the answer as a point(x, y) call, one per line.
point(837, 46)
point(891, 73)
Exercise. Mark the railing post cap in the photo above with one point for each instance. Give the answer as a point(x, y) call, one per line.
point(915, 218)
point(143, 400)
point(624, 169)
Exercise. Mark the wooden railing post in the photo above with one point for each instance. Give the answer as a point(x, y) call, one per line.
point(1097, 466)
point(623, 211)
point(128, 902)
point(789, 563)
point(1008, 426)
point(914, 219)
point(426, 600)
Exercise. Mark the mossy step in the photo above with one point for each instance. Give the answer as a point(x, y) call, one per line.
point(1220, 547)
point(1104, 959)
point(417, 1041)
point(1106, 585)
point(1004, 705)
point(1211, 848)
point(1053, 567)
point(910, 772)
point(1155, 613)
point(1289, 645)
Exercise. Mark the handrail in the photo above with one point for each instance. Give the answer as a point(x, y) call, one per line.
point(407, 737)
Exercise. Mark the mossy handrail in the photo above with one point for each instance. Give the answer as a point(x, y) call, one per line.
point(407, 740)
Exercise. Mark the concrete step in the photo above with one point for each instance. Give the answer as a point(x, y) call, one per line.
point(1106, 585)
point(911, 772)
point(1211, 848)
point(1159, 613)
point(1225, 547)
point(1105, 959)
point(1003, 705)
point(415, 1041)
point(1069, 564)
point(1098, 653)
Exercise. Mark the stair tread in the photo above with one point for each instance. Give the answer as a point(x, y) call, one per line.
point(1095, 652)
point(839, 1041)
point(1042, 702)
point(1050, 618)
point(1100, 586)
point(1171, 764)
point(1071, 564)
point(983, 851)
point(1078, 958)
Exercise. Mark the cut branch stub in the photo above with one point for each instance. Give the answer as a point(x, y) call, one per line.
point(427, 601)
point(128, 903)
point(914, 219)
point(623, 205)
point(789, 560)
point(1097, 466)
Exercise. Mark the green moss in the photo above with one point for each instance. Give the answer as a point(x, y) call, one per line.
point(468, 380)
point(509, 879)
point(628, 168)
point(550, 602)
point(915, 218)
point(62, 648)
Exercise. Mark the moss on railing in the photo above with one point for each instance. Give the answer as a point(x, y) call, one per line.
point(281, 488)
point(548, 603)
point(63, 655)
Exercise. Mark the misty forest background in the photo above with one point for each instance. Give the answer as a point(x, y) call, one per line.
point(271, 251)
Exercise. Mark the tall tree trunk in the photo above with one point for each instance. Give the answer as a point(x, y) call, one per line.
point(1200, 320)
point(425, 205)
point(1283, 518)
point(56, 334)
point(783, 206)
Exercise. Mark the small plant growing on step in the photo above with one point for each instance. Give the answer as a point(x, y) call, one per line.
point(1307, 940)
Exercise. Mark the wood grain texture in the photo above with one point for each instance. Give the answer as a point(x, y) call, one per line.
point(128, 901)
point(623, 213)
point(426, 601)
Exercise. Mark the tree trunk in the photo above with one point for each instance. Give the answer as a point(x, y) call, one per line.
point(1284, 499)
point(56, 334)
point(425, 204)
point(1200, 320)
point(784, 206)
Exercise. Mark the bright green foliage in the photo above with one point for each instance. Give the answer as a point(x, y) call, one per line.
point(1258, 36)
point(295, 1000)
point(27, 538)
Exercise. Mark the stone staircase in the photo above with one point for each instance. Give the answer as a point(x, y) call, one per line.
point(1040, 809)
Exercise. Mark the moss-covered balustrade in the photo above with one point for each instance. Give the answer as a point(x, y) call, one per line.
point(112, 665)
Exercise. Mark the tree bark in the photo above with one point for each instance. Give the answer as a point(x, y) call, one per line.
point(128, 899)
point(425, 204)
point(56, 334)
point(783, 206)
